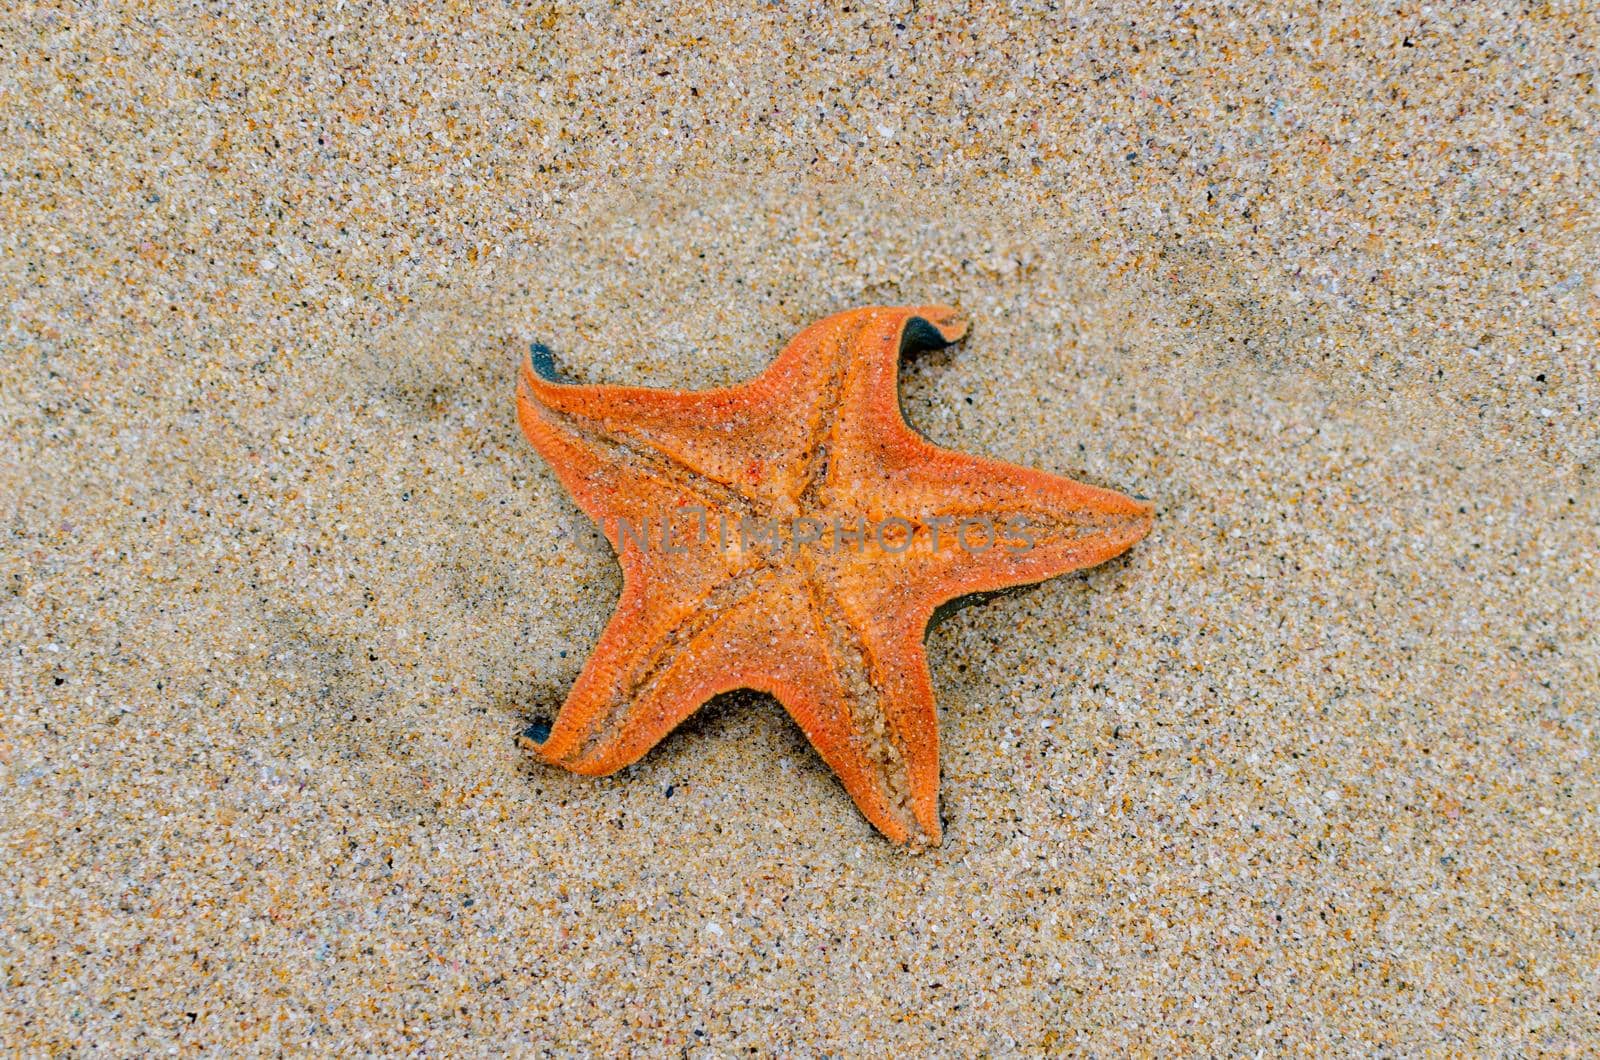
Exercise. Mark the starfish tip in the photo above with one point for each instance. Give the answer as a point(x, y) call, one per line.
point(534, 736)
point(1144, 513)
point(542, 362)
point(946, 325)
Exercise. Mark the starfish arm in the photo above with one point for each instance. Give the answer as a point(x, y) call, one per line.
point(707, 440)
point(755, 438)
point(981, 524)
point(831, 362)
point(865, 701)
point(659, 659)
point(611, 477)
point(1041, 524)
point(866, 425)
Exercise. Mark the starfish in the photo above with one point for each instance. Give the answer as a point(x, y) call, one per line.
point(793, 535)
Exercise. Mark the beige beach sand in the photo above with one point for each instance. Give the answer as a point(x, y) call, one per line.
point(1314, 767)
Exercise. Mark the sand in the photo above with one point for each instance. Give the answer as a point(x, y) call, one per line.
point(1313, 768)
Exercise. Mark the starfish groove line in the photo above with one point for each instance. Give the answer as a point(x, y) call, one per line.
point(836, 634)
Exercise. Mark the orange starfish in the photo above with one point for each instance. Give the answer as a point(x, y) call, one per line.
point(793, 535)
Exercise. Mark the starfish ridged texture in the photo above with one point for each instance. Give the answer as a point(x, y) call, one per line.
point(832, 621)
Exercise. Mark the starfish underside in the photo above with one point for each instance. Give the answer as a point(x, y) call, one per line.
point(832, 628)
